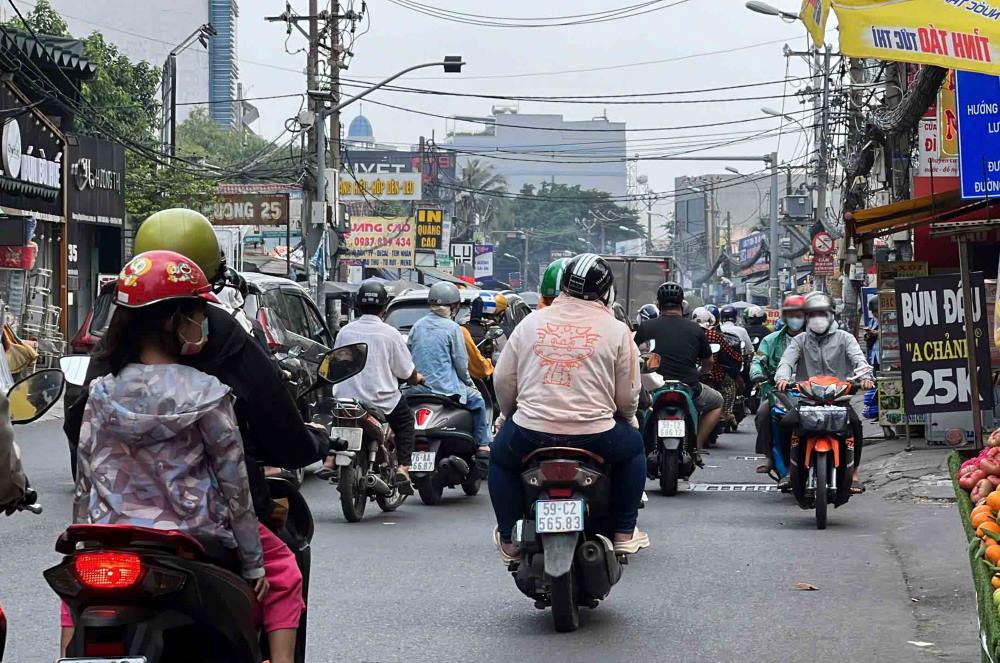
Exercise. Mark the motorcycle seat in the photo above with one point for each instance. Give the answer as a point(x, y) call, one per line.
point(452, 400)
point(562, 452)
point(176, 542)
point(373, 411)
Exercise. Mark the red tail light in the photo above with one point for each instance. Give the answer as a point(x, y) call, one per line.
point(108, 570)
point(105, 648)
point(559, 470)
point(272, 344)
point(421, 416)
point(672, 398)
point(561, 493)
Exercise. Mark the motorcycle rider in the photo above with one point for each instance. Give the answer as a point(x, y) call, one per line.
point(728, 316)
point(438, 346)
point(553, 396)
point(486, 311)
point(551, 282)
point(168, 432)
point(389, 361)
point(762, 368)
point(681, 344)
point(14, 490)
point(825, 351)
point(756, 329)
point(647, 312)
point(728, 360)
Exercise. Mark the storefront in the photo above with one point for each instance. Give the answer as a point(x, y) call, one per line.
point(96, 208)
point(32, 220)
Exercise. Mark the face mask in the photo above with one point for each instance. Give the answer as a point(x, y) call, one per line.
point(194, 347)
point(819, 324)
point(795, 324)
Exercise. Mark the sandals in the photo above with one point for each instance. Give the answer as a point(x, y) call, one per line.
point(325, 473)
point(403, 484)
point(507, 559)
point(857, 487)
point(637, 542)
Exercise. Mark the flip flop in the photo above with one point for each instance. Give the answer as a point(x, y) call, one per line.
point(857, 487)
point(764, 469)
point(325, 473)
point(403, 484)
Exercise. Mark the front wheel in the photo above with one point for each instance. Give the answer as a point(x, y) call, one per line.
point(353, 496)
point(822, 461)
point(562, 596)
point(670, 461)
point(472, 483)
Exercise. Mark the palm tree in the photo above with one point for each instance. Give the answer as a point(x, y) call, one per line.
point(477, 201)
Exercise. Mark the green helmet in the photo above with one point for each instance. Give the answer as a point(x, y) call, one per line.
point(552, 278)
point(185, 231)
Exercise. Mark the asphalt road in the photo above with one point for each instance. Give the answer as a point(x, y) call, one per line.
point(424, 583)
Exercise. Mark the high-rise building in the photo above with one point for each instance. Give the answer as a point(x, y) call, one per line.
point(535, 148)
point(149, 29)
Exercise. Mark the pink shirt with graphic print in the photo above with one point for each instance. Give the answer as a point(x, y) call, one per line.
point(569, 368)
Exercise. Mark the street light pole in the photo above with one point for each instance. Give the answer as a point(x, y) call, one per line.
point(168, 83)
point(774, 290)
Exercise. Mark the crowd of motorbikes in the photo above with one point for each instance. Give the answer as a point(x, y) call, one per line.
point(166, 595)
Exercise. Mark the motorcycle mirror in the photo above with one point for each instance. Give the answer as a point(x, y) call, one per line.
point(493, 332)
point(32, 396)
point(649, 362)
point(343, 363)
point(74, 368)
point(715, 347)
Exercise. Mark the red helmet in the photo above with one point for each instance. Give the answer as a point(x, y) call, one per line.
point(157, 276)
point(793, 303)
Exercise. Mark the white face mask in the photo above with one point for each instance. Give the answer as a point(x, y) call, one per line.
point(819, 324)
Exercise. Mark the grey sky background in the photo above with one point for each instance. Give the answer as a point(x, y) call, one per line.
point(398, 37)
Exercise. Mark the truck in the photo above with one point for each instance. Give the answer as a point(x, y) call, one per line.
point(638, 277)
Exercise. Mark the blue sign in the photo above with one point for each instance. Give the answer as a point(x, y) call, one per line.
point(978, 100)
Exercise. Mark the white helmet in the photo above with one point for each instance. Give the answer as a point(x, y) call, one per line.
point(703, 317)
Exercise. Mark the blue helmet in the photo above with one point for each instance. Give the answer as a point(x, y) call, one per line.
point(714, 310)
point(647, 312)
point(484, 304)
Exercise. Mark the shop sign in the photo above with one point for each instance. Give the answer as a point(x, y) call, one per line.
point(97, 181)
point(823, 264)
point(930, 148)
point(888, 332)
point(250, 209)
point(375, 241)
point(978, 99)
point(383, 187)
point(387, 162)
point(31, 154)
point(484, 261)
point(462, 253)
point(931, 319)
point(890, 402)
point(430, 229)
point(749, 246)
point(947, 117)
point(887, 272)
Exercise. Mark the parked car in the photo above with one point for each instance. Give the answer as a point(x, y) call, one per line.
point(273, 299)
point(410, 305)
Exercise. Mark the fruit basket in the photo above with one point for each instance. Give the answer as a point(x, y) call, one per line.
point(982, 573)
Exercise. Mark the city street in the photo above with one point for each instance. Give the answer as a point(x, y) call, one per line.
point(718, 583)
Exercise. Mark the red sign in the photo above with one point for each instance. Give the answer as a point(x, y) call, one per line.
point(823, 264)
point(823, 244)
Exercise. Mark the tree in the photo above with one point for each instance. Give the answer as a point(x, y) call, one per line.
point(201, 137)
point(477, 204)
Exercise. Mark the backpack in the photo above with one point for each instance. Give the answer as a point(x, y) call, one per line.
point(732, 366)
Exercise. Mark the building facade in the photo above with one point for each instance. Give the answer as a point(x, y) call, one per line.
point(150, 29)
point(533, 148)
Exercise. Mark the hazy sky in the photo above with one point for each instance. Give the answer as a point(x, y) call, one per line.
point(508, 61)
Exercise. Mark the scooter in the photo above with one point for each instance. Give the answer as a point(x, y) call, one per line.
point(567, 559)
point(821, 454)
point(29, 399)
point(670, 431)
point(140, 595)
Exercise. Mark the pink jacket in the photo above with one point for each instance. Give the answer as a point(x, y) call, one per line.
point(569, 369)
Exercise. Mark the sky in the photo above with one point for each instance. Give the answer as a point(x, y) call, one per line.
point(520, 61)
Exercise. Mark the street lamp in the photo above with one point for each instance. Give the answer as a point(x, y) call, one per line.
point(520, 265)
point(786, 116)
point(168, 86)
point(760, 194)
point(768, 10)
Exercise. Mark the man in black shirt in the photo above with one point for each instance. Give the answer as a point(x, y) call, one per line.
point(681, 344)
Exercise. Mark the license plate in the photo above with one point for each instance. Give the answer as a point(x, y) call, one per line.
point(555, 516)
point(130, 659)
point(670, 428)
point(422, 461)
point(351, 435)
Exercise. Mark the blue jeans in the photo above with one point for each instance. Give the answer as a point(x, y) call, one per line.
point(480, 421)
point(621, 446)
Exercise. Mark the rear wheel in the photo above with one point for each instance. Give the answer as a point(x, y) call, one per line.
point(393, 500)
point(353, 496)
point(562, 596)
point(670, 461)
point(472, 483)
point(431, 489)
point(822, 462)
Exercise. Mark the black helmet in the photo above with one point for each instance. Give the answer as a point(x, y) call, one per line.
point(728, 314)
point(587, 276)
point(647, 312)
point(670, 295)
point(371, 295)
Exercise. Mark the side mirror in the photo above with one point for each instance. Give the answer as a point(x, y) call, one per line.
point(493, 332)
point(715, 347)
point(343, 363)
point(32, 397)
point(74, 368)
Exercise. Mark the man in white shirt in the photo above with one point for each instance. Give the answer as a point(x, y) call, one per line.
point(728, 315)
point(389, 362)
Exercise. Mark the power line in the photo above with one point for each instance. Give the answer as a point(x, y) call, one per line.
point(457, 17)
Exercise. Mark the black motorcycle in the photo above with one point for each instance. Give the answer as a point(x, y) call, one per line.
point(567, 558)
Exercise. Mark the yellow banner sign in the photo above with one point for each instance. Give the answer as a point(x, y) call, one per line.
point(947, 108)
point(958, 34)
point(374, 241)
point(814, 14)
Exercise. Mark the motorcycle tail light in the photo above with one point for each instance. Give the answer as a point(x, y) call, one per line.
point(105, 648)
point(672, 398)
point(559, 470)
point(421, 416)
point(561, 493)
point(107, 570)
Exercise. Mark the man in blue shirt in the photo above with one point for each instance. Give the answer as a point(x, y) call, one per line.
point(438, 347)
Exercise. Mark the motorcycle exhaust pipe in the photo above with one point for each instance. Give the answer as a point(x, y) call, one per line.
point(374, 483)
point(592, 560)
point(454, 466)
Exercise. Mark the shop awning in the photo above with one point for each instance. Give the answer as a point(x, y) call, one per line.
point(935, 208)
point(439, 275)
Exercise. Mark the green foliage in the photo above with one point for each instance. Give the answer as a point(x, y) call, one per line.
point(150, 188)
point(476, 209)
point(200, 137)
point(43, 19)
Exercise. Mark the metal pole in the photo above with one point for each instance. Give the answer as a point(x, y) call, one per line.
point(173, 104)
point(774, 289)
point(970, 340)
point(821, 170)
point(334, 132)
point(319, 202)
point(649, 226)
point(524, 265)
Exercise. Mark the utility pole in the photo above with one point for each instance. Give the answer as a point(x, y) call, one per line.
point(856, 97)
point(312, 73)
point(774, 287)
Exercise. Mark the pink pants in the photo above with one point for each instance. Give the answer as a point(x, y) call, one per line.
point(283, 605)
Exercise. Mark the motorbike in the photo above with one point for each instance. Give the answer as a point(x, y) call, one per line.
point(364, 451)
point(29, 399)
point(444, 448)
point(567, 559)
point(141, 595)
point(821, 456)
point(670, 430)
